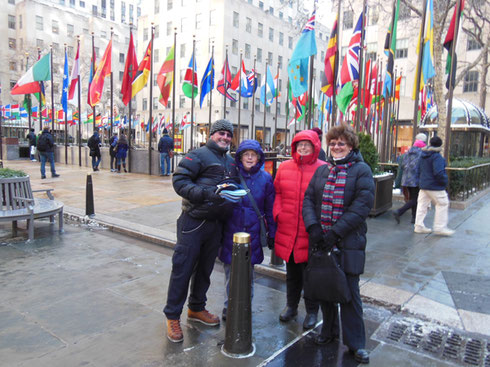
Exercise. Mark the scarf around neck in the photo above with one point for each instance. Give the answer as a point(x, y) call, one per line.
point(333, 194)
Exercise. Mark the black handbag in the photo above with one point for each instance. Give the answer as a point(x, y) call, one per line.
point(263, 230)
point(324, 279)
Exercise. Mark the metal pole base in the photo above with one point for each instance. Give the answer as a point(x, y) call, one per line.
point(237, 356)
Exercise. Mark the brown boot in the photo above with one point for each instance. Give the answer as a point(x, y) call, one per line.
point(174, 331)
point(203, 317)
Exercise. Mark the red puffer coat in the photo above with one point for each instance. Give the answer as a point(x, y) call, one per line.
point(292, 179)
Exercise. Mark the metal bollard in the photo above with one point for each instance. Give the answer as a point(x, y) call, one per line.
point(238, 335)
point(89, 197)
point(275, 260)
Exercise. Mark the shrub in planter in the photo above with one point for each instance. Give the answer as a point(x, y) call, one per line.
point(368, 151)
point(10, 173)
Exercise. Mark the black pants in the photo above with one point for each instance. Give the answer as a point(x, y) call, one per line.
point(354, 334)
point(198, 241)
point(295, 277)
point(113, 158)
point(413, 194)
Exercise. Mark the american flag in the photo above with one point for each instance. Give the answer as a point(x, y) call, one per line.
point(350, 65)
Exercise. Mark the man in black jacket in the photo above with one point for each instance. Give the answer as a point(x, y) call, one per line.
point(199, 227)
point(45, 146)
point(32, 144)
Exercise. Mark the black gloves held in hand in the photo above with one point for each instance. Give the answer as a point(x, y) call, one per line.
point(331, 238)
point(315, 233)
point(270, 242)
point(210, 195)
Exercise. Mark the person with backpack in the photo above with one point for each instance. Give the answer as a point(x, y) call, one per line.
point(165, 146)
point(121, 152)
point(45, 146)
point(32, 144)
point(112, 150)
point(410, 165)
point(94, 145)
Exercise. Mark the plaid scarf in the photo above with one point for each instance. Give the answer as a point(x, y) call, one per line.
point(333, 195)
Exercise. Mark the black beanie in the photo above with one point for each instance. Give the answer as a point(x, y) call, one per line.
point(221, 125)
point(435, 142)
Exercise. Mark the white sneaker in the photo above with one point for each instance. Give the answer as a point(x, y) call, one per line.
point(422, 229)
point(444, 232)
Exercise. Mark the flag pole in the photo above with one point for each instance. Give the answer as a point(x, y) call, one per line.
point(40, 97)
point(310, 97)
point(333, 117)
point(130, 122)
point(112, 91)
point(52, 91)
point(391, 121)
point(239, 97)
point(274, 137)
point(418, 73)
point(30, 107)
point(66, 125)
point(173, 97)
point(362, 66)
point(397, 121)
point(79, 113)
point(211, 89)
point(192, 89)
point(265, 105)
point(286, 129)
point(452, 75)
point(225, 83)
point(378, 107)
point(150, 122)
point(93, 68)
point(252, 133)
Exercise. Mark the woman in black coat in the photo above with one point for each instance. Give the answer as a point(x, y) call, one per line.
point(336, 205)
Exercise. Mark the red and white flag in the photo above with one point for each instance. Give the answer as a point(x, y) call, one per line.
point(75, 73)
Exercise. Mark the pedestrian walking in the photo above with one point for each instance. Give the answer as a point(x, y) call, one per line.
point(165, 147)
point(45, 146)
point(410, 166)
point(32, 145)
point(199, 227)
point(112, 150)
point(433, 181)
point(291, 241)
point(94, 144)
point(337, 203)
point(253, 209)
point(121, 152)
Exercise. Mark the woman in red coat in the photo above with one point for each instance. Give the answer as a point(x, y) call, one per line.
point(291, 243)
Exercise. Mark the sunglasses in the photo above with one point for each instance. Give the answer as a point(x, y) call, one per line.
point(339, 144)
point(224, 133)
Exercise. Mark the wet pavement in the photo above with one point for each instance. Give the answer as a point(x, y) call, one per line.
point(94, 297)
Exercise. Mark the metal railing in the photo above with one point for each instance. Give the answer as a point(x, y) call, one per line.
point(463, 182)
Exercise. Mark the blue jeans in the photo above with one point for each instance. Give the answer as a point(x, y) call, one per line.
point(44, 157)
point(96, 161)
point(165, 159)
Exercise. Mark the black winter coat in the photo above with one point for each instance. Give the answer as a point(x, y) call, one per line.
point(32, 138)
point(358, 201)
point(49, 142)
point(196, 177)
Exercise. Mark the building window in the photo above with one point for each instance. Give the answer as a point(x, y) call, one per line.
point(123, 12)
point(145, 34)
point(290, 20)
point(103, 34)
point(269, 58)
point(12, 2)
point(279, 61)
point(39, 23)
point(39, 43)
point(12, 66)
point(257, 104)
point(156, 31)
point(281, 15)
point(470, 84)
point(155, 104)
point(170, 4)
point(245, 103)
point(169, 28)
point(271, 10)
point(248, 25)
point(198, 20)
point(121, 76)
point(260, 30)
point(261, 5)
point(94, 10)
point(234, 47)
point(20, 22)
point(157, 6)
point(145, 104)
point(156, 55)
point(259, 54)
point(182, 102)
point(374, 16)
point(290, 42)
point(12, 44)
point(121, 58)
point(70, 30)
point(281, 38)
point(212, 17)
point(131, 11)
point(55, 27)
point(271, 34)
point(247, 51)
point(70, 51)
point(401, 48)
point(371, 50)
point(472, 44)
point(82, 4)
point(182, 50)
point(236, 19)
point(404, 12)
point(348, 20)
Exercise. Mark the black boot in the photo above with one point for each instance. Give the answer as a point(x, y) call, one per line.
point(310, 321)
point(124, 166)
point(288, 314)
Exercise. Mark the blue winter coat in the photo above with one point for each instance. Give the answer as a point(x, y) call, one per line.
point(432, 170)
point(411, 167)
point(166, 144)
point(244, 218)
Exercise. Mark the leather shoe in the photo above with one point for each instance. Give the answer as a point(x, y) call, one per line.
point(288, 314)
point(361, 356)
point(310, 321)
point(397, 216)
point(322, 340)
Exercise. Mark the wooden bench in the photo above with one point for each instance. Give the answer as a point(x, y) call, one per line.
point(18, 203)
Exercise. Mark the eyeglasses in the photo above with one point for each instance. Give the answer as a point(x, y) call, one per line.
point(224, 133)
point(339, 144)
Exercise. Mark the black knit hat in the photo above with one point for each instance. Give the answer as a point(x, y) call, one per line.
point(221, 125)
point(435, 142)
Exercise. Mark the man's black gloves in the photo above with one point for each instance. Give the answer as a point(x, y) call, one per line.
point(270, 242)
point(315, 233)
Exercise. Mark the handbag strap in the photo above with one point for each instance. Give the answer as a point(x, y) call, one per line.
point(252, 200)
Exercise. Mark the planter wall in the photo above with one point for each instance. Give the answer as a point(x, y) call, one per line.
point(383, 195)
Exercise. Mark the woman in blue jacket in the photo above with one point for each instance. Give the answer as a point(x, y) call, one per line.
point(249, 159)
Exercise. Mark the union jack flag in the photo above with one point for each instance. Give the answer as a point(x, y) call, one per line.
point(350, 65)
point(310, 24)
